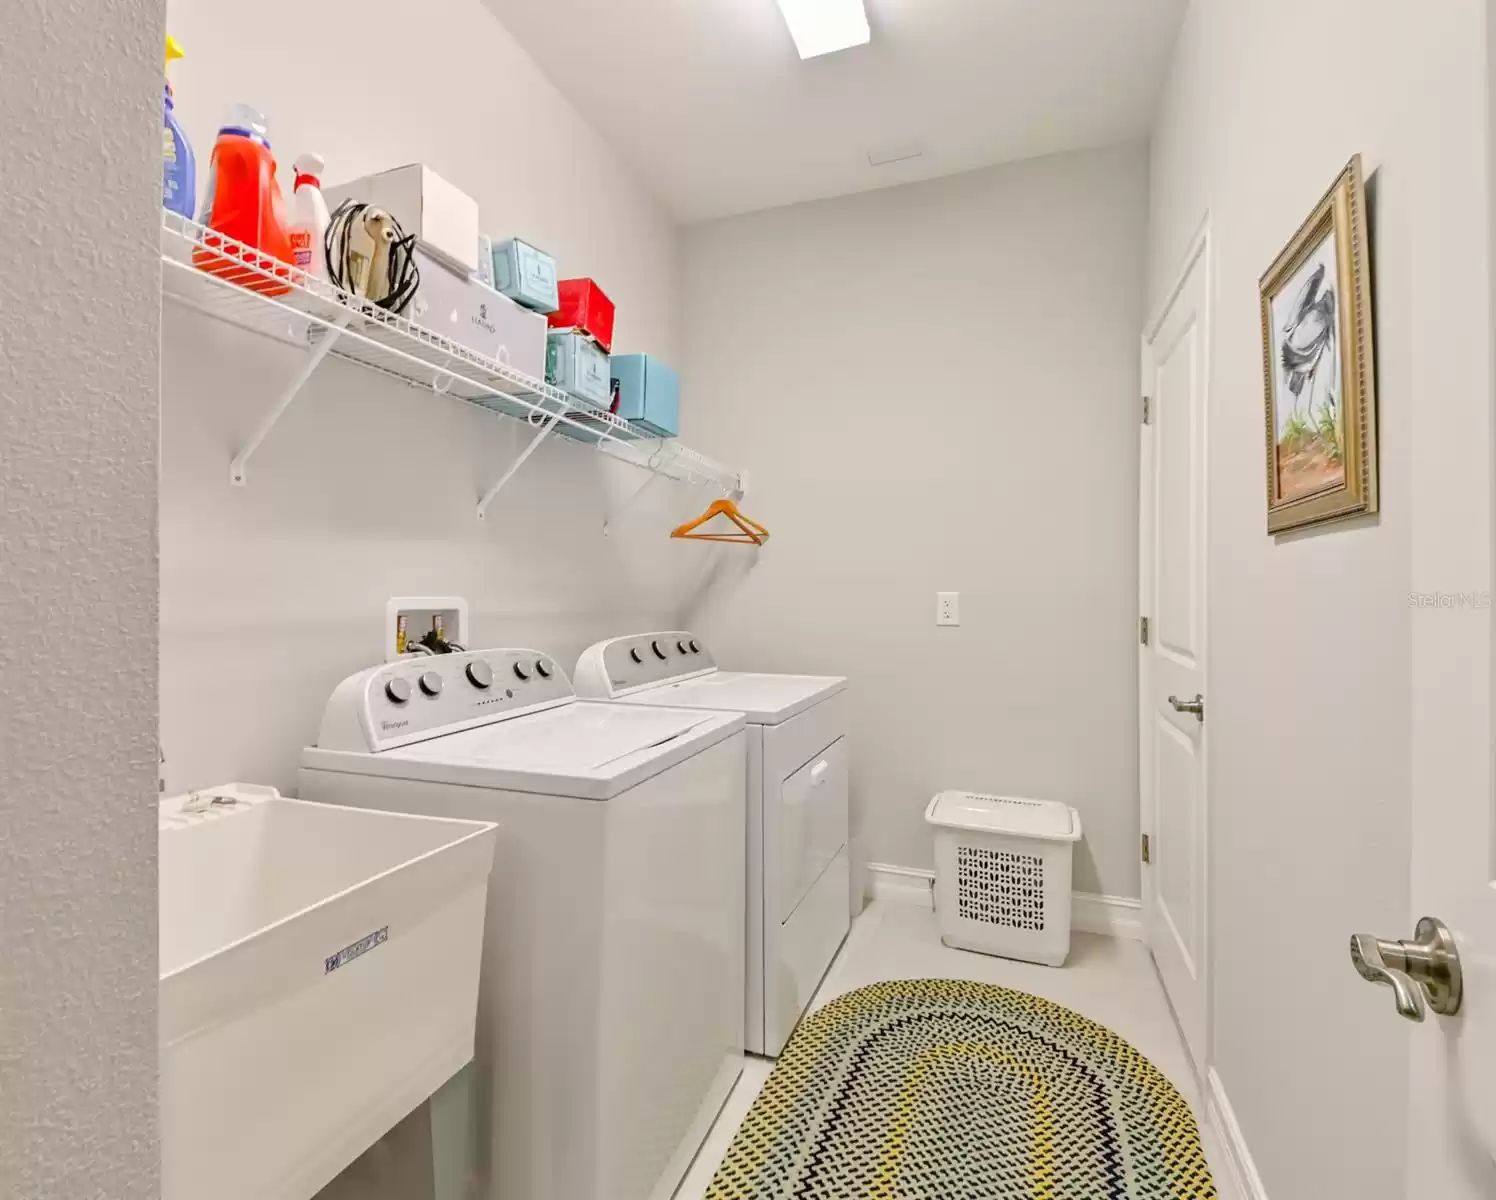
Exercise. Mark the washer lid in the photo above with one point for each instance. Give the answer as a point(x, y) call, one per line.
point(764, 699)
point(591, 750)
point(1044, 819)
point(575, 739)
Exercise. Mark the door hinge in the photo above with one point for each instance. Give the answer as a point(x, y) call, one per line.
point(1147, 410)
point(1143, 630)
point(1147, 850)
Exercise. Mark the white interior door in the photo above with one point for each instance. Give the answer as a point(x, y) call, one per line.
point(1172, 662)
point(1451, 1149)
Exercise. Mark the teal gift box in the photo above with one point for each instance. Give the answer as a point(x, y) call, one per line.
point(526, 275)
point(648, 393)
point(578, 366)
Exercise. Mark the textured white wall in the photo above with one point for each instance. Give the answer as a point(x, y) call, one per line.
point(80, 103)
point(936, 389)
point(273, 593)
point(1309, 658)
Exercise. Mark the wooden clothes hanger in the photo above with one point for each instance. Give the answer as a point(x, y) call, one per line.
point(751, 532)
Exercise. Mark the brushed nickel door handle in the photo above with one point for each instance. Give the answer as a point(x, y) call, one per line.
point(1195, 706)
point(1425, 969)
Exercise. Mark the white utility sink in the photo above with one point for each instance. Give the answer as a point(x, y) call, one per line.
point(319, 980)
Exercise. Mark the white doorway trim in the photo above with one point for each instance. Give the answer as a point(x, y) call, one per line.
point(1199, 255)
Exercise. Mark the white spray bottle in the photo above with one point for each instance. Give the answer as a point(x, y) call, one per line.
point(309, 217)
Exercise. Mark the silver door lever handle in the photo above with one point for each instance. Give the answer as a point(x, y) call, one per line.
point(1196, 706)
point(1427, 968)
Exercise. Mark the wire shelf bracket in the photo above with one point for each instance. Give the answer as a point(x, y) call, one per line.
point(238, 468)
point(634, 498)
point(488, 497)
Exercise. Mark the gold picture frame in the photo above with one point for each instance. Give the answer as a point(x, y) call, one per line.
point(1318, 368)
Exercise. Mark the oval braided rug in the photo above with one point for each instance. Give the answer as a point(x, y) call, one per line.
point(940, 1090)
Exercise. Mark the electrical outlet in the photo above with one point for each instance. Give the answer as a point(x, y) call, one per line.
point(947, 608)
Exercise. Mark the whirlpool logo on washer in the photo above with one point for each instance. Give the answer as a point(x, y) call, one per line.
point(391, 726)
point(359, 948)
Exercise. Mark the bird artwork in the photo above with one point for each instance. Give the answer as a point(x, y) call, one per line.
point(1307, 360)
point(1308, 337)
point(1318, 369)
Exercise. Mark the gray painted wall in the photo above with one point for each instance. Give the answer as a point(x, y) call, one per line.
point(80, 107)
point(935, 388)
point(1308, 785)
point(274, 592)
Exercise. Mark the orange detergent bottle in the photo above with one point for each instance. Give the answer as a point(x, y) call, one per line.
point(243, 202)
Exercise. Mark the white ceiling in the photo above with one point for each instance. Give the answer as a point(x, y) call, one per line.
point(716, 113)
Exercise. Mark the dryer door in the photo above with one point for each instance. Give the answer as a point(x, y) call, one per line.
point(812, 825)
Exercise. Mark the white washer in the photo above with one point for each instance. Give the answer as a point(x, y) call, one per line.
point(610, 1016)
point(798, 871)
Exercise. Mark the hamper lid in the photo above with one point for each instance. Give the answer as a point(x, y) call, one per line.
point(1047, 819)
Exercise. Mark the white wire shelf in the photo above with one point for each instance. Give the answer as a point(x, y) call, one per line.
point(251, 291)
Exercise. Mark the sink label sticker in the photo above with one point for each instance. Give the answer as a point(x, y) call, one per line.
point(361, 947)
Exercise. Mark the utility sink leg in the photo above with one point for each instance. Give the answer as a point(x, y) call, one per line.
point(453, 1137)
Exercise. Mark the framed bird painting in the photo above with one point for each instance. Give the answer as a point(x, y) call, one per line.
point(1318, 366)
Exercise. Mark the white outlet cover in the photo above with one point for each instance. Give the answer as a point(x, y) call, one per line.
point(947, 608)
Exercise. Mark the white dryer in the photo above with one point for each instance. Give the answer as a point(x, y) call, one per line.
point(798, 872)
point(610, 1015)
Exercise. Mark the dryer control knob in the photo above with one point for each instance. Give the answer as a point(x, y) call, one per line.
point(480, 674)
point(398, 690)
point(521, 671)
point(635, 655)
point(656, 647)
point(683, 647)
point(431, 683)
point(543, 668)
point(695, 649)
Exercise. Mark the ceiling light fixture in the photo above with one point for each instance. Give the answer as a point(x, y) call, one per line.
point(826, 26)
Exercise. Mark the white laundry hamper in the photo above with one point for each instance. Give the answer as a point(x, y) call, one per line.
point(1002, 874)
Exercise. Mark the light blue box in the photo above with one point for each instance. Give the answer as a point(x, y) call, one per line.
point(648, 393)
point(526, 275)
point(578, 366)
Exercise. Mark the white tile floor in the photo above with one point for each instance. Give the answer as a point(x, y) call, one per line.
point(1106, 979)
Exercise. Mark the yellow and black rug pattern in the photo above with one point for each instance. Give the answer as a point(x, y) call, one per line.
point(935, 1089)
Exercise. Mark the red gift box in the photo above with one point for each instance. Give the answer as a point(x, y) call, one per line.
point(585, 306)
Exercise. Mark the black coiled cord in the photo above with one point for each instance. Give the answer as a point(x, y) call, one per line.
point(404, 277)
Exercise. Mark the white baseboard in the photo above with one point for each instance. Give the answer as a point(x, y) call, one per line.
point(1238, 1159)
point(900, 885)
point(1115, 916)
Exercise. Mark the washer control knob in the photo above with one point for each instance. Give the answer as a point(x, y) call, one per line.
point(683, 647)
point(398, 690)
point(635, 655)
point(658, 649)
point(521, 671)
point(431, 683)
point(695, 649)
point(543, 668)
point(480, 674)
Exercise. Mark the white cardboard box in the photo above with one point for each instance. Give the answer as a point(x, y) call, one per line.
point(443, 218)
point(472, 314)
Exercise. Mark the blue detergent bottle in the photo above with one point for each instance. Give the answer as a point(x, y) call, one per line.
point(178, 166)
